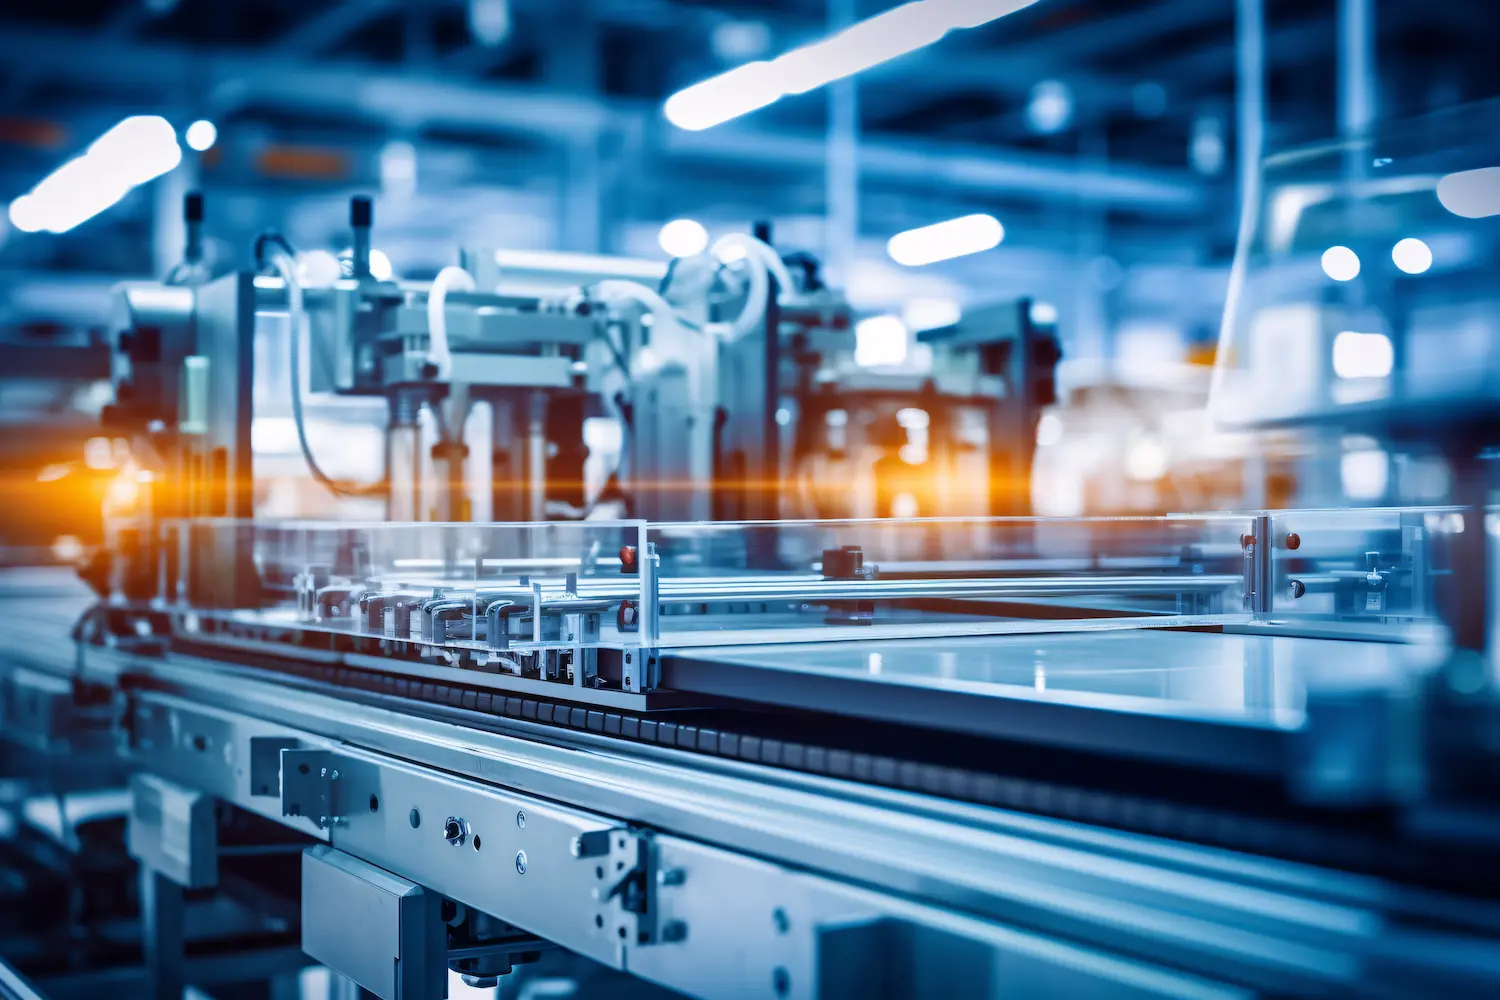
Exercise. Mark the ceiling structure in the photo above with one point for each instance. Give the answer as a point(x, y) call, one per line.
point(1101, 132)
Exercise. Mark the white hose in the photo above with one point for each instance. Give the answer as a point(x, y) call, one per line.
point(296, 320)
point(762, 263)
point(437, 316)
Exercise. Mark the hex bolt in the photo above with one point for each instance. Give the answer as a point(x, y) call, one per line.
point(520, 862)
point(454, 830)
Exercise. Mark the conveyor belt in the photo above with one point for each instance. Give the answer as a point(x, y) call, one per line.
point(1242, 813)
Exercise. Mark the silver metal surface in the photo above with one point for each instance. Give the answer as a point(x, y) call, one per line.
point(171, 831)
point(375, 928)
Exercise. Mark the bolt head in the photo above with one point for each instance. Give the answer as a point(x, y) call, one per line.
point(1293, 541)
point(520, 862)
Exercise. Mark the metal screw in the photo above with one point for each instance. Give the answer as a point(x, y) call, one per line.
point(454, 831)
point(521, 820)
point(781, 921)
point(520, 862)
point(1298, 588)
point(781, 981)
point(1294, 541)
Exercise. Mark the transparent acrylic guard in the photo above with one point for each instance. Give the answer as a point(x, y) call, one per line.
point(474, 586)
point(1366, 292)
point(798, 581)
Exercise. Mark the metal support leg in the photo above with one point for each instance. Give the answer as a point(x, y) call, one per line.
point(162, 940)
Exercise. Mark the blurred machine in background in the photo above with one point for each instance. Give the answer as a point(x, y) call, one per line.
point(582, 624)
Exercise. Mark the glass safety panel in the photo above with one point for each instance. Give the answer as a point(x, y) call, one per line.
point(798, 581)
point(496, 590)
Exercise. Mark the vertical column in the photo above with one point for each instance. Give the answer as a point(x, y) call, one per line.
point(841, 176)
point(162, 935)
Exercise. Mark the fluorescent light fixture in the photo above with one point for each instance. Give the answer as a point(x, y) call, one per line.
point(1341, 263)
point(139, 149)
point(201, 135)
point(1363, 355)
point(879, 341)
point(875, 40)
point(683, 238)
point(946, 240)
point(1471, 194)
point(1412, 255)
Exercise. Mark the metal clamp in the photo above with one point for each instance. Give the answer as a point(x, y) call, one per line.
point(310, 786)
point(626, 871)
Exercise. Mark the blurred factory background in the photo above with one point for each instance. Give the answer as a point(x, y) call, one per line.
point(1104, 137)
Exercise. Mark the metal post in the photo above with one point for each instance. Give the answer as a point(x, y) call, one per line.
point(1357, 84)
point(841, 176)
point(162, 942)
point(650, 598)
point(1261, 547)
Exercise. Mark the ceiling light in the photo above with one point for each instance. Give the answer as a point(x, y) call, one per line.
point(946, 240)
point(1412, 255)
point(1471, 194)
point(683, 238)
point(201, 135)
point(1341, 263)
point(138, 149)
point(875, 40)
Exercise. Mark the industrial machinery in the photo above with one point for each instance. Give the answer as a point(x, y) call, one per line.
point(1192, 756)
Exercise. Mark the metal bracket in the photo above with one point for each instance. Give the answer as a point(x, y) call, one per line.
point(311, 782)
point(627, 876)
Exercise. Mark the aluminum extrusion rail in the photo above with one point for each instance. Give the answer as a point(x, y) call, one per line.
point(1186, 909)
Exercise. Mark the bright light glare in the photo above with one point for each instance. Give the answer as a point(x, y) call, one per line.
point(1051, 107)
point(1146, 461)
point(201, 135)
point(1362, 355)
point(1341, 263)
point(1471, 194)
point(26, 214)
point(1049, 430)
point(683, 238)
point(931, 314)
point(1365, 474)
point(1412, 255)
point(879, 341)
point(380, 266)
point(138, 149)
point(885, 36)
point(946, 240)
point(1043, 314)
